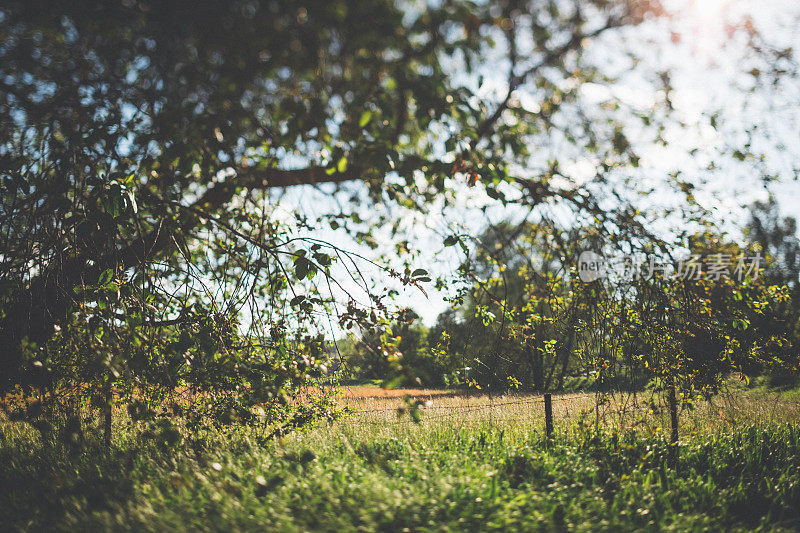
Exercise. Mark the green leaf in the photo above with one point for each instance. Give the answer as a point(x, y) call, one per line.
point(365, 118)
point(341, 166)
point(322, 259)
point(494, 194)
point(301, 267)
point(451, 240)
point(105, 277)
point(419, 272)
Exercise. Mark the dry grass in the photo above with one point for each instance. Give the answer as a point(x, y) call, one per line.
point(368, 392)
point(474, 462)
point(377, 407)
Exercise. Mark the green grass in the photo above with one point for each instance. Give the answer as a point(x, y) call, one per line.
point(787, 387)
point(361, 475)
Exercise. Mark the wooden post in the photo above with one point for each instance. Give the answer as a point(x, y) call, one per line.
point(548, 415)
point(673, 413)
point(672, 400)
point(107, 415)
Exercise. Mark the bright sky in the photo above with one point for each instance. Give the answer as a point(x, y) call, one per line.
point(706, 78)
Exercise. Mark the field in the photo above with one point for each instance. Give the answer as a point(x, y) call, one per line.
point(474, 462)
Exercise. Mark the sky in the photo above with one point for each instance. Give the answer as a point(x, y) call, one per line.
point(707, 77)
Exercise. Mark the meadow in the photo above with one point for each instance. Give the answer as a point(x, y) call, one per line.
point(473, 463)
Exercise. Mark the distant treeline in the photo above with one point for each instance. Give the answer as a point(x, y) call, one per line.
point(528, 322)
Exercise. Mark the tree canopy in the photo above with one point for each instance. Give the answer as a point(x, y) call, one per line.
point(145, 145)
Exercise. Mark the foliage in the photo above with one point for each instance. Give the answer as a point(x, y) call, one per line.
point(144, 145)
point(140, 144)
point(528, 321)
point(416, 360)
point(145, 248)
point(528, 318)
point(446, 477)
point(778, 239)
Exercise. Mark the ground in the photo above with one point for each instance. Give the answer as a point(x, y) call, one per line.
point(473, 463)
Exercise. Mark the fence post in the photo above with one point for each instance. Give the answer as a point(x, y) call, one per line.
point(548, 415)
point(108, 393)
point(673, 413)
point(673, 419)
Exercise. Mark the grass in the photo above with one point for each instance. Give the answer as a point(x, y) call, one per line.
point(474, 463)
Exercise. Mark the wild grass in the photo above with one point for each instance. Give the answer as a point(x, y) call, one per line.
point(474, 463)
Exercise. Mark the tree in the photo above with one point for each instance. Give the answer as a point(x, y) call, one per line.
point(530, 318)
point(145, 146)
point(778, 241)
point(142, 142)
point(524, 303)
point(413, 358)
point(123, 120)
